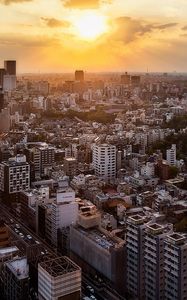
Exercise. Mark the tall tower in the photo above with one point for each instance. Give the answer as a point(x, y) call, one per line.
point(79, 75)
point(10, 67)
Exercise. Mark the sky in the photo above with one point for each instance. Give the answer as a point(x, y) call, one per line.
point(94, 35)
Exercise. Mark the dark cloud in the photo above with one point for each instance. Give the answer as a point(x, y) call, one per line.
point(165, 26)
point(84, 4)
point(184, 28)
point(8, 2)
point(52, 22)
point(129, 29)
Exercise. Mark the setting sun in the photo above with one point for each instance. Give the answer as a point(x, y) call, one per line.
point(90, 26)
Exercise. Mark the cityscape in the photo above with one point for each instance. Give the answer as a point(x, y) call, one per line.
point(93, 151)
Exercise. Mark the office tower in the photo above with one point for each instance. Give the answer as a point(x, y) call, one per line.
point(14, 175)
point(9, 83)
point(79, 75)
point(154, 260)
point(15, 275)
point(175, 267)
point(70, 166)
point(104, 161)
point(4, 235)
point(59, 278)
point(125, 79)
point(135, 256)
point(171, 155)
point(2, 73)
point(10, 67)
point(64, 211)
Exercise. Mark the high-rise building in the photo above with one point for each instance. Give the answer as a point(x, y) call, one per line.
point(125, 79)
point(42, 156)
point(59, 278)
point(10, 67)
point(135, 80)
point(15, 275)
point(175, 267)
point(171, 155)
point(154, 260)
point(104, 161)
point(135, 283)
point(14, 175)
point(79, 75)
point(64, 211)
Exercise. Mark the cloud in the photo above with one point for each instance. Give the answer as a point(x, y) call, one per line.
point(27, 41)
point(165, 26)
point(52, 22)
point(184, 28)
point(85, 4)
point(128, 29)
point(8, 2)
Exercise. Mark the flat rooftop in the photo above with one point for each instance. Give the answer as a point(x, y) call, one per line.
point(177, 238)
point(155, 228)
point(101, 239)
point(59, 266)
point(137, 219)
point(19, 268)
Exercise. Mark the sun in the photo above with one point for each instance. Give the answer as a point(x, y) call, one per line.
point(90, 26)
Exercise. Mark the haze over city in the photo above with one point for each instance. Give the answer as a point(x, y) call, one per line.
point(60, 36)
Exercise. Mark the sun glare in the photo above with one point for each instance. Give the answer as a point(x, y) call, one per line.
point(90, 26)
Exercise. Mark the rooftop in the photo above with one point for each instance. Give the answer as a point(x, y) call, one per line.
point(137, 219)
point(155, 228)
point(103, 240)
point(19, 268)
point(177, 238)
point(59, 266)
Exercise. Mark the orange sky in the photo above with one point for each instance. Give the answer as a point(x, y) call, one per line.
point(59, 35)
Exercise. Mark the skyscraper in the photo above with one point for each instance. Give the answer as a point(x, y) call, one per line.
point(79, 75)
point(10, 67)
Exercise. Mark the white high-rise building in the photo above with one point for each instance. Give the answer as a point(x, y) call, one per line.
point(171, 155)
point(104, 161)
point(64, 211)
